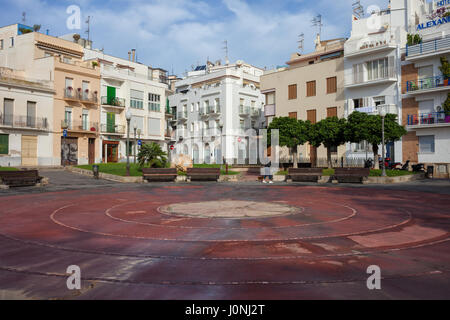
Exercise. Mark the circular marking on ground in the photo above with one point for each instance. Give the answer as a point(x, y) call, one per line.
point(229, 209)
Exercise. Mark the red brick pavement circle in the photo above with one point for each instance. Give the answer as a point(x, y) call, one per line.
point(122, 238)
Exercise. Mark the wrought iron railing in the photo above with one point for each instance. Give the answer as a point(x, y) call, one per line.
point(113, 101)
point(427, 119)
point(26, 122)
point(112, 129)
point(427, 83)
point(80, 125)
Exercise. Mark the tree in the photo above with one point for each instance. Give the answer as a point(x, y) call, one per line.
point(364, 127)
point(152, 155)
point(413, 39)
point(445, 67)
point(293, 133)
point(330, 132)
point(446, 105)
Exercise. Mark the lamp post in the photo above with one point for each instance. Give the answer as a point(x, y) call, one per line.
point(383, 116)
point(135, 142)
point(128, 117)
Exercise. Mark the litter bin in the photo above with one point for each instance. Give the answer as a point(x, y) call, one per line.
point(430, 172)
point(96, 170)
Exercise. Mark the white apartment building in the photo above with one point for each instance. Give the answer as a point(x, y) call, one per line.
point(215, 105)
point(128, 85)
point(26, 117)
point(426, 88)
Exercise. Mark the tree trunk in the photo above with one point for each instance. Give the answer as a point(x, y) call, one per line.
point(330, 165)
point(376, 162)
point(295, 154)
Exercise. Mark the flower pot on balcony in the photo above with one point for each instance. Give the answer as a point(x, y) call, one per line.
point(446, 82)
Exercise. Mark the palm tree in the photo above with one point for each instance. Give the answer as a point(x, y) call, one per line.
point(152, 155)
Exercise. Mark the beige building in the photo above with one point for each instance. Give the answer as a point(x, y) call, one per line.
point(76, 84)
point(310, 88)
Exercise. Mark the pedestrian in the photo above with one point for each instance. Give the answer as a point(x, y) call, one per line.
point(268, 173)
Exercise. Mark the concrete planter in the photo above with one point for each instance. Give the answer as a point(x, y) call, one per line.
point(393, 180)
point(106, 176)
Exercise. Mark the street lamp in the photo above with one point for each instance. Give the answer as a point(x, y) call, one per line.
point(383, 116)
point(128, 117)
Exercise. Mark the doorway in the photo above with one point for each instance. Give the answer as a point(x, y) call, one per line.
point(91, 151)
point(112, 151)
point(69, 151)
point(29, 151)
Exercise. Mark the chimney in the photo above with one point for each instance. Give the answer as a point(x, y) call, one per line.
point(129, 55)
point(134, 54)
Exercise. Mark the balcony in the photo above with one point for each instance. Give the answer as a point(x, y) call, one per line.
point(255, 112)
point(428, 120)
point(113, 102)
point(375, 110)
point(428, 49)
point(269, 110)
point(182, 115)
point(212, 132)
point(80, 126)
point(89, 98)
point(70, 94)
point(365, 78)
point(214, 110)
point(244, 111)
point(376, 44)
point(154, 107)
point(23, 122)
point(427, 85)
point(112, 129)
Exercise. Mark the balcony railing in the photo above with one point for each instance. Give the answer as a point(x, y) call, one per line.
point(428, 47)
point(363, 77)
point(155, 107)
point(24, 122)
point(427, 83)
point(212, 132)
point(112, 129)
point(428, 119)
point(244, 111)
point(255, 112)
point(214, 109)
point(113, 101)
point(182, 115)
point(89, 97)
point(80, 125)
point(203, 111)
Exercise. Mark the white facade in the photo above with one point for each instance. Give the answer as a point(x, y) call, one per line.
point(138, 88)
point(430, 124)
point(215, 105)
point(26, 119)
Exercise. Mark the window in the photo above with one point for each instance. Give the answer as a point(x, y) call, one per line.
point(311, 88)
point(2, 44)
point(85, 88)
point(358, 103)
point(331, 85)
point(270, 98)
point(192, 107)
point(293, 115)
point(8, 112)
point(332, 112)
point(333, 149)
point(192, 127)
point(242, 125)
point(154, 103)
point(241, 102)
point(138, 122)
point(197, 108)
point(11, 42)
point(426, 144)
point(85, 120)
point(363, 146)
point(68, 118)
point(292, 92)
point(31, 114)
point(377, 69)
point(312, 116)
point(4, 144)
point(136, 99)
point(154, 126)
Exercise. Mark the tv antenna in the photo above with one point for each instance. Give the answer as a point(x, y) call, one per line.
point(24, 17)
point(226, 52)
point(301, 42)
point(88, 22)
point(317, 22)
point(358, 9)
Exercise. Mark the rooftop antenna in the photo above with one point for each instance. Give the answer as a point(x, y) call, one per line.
point(24, 17)
point(227, 62)
point(88, 21)
point(317, 22)
point(358, 9)
point(301, 42)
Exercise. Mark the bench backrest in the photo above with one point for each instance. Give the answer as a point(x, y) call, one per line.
point(215, 171)
point(159, 171)
point(363, 172)
point(19, 174)
point(317, 171)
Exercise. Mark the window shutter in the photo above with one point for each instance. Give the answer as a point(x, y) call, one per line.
point(4, 144)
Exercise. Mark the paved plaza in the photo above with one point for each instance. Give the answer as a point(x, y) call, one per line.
point(224, 241)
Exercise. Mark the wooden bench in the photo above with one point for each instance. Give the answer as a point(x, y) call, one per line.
point(203, 174)
point(351, 175)
point(161, 175)
point(20, 178)
point(305, 174)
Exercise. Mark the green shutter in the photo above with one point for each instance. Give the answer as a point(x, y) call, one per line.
point(4, 144)
point(111, 122)
point(111, 95)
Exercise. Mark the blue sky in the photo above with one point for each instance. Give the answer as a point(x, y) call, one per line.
point(176, 34)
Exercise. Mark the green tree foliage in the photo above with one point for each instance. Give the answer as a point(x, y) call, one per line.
point(152, 155)
point(329, 132)
point(445, 67)
point(413, 39)
point(293, 133)
point(446, 105)
point(364, 127)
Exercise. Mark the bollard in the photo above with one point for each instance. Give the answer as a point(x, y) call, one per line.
point(96, 171)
